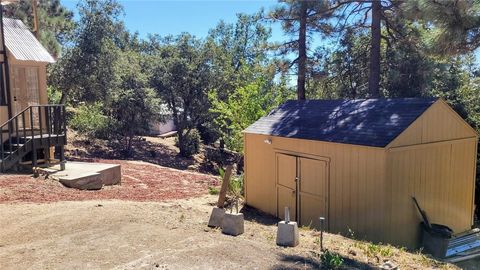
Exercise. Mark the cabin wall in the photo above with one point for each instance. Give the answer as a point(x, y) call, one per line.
point(159, 128)
point(442, 178)
point(3, 114)
point(356, 181)
point(42, 76)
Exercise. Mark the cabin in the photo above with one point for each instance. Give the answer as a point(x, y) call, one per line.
point(358, 163)
point(166, 125)
point(29, 126)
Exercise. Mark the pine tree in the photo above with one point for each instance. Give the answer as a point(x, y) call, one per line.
point(456, 24)
point(300, 19)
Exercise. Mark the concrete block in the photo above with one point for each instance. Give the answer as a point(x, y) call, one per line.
point(232, 224)
point(111, 174)
point(216, 217)
point(287, 234)
point(91, 181)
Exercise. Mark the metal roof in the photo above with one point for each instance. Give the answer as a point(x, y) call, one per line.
point(22, 44)
point(370, 122)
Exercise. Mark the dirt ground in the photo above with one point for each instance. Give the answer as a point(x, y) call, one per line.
point(159, 235)
point(156, 219)
point(154, 150)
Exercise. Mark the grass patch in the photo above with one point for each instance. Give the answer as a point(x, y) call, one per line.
point(213, 191)
point(331, 260)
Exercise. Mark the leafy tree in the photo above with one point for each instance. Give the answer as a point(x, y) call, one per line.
point(55, 22)
point(181, 76)
point(238, 55)
point(86, 71)
point(243, 107)
point(230, 47)
point(300, 19)
point(133, 105)
point(132, 110)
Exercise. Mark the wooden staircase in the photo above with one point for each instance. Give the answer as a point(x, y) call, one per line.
point(30, 134)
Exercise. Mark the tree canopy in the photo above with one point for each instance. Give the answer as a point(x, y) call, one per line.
point(215, 86)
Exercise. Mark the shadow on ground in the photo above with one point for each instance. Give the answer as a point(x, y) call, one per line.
point(153, 152)
point(254, 215)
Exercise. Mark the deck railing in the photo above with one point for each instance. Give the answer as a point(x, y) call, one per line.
point(34, 122)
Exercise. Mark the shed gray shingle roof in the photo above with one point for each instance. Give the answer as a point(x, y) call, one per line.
point(22, 44)
point(370, 122)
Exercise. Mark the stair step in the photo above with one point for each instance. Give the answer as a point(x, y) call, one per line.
point(17, 145)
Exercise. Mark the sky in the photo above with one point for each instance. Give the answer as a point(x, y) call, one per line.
point(197, 17)
point(194, 16)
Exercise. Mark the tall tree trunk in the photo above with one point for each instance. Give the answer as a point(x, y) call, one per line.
point(374, 76)
point(302, 52)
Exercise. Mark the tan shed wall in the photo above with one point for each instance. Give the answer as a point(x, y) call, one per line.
point(356, 182)
point(439, 123)
point(442, 178)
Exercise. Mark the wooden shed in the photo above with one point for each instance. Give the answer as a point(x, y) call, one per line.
point(359, 162)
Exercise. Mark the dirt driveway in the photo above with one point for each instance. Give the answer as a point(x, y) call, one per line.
point(128, 235)
point(156, 220)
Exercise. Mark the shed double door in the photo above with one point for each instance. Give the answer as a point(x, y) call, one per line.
point(302, 186)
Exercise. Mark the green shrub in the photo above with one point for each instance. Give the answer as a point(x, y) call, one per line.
point(88, 120)
point(189, 142)
point(236, 185)
point(54, 95)
point(213, 191)
point(331, 260)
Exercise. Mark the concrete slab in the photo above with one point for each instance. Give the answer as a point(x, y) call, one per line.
point(92, 181)
point(84, 175)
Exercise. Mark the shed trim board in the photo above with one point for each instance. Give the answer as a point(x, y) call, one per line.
point(423, 145)
point(457, 116)
point(474, 177)
point(369, 188)
point(300, 154)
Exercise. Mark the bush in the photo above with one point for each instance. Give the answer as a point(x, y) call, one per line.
point(54, 95)
point(189, 142)
point(213, 191)
point(209, 132)
point(89, 120)
point(331, 260)
point(236, 185)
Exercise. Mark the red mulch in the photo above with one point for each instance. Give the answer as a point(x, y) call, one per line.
point(140, 182)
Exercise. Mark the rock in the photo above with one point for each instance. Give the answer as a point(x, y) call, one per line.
point(388, 265)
